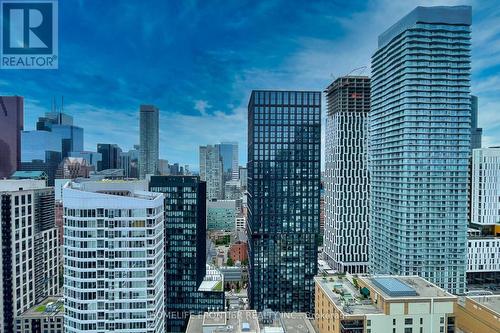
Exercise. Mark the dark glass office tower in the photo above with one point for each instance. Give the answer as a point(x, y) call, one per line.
point(228, 151)
point(110, 156)
point(185, 250)
point(70, 137)
point(284, 193)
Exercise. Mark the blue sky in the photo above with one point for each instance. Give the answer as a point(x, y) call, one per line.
point(199, 60)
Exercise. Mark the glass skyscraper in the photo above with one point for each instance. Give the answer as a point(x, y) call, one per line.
point(61, 126)
point(212, 171)
point(54, 139)
point(110, 156)
point(149, 146)
point(420, 130)
point(185, 252)
point(229, 154)
point(283, 201)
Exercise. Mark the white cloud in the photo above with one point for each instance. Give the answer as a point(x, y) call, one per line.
point(202, 106)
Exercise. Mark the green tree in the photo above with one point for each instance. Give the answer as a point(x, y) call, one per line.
point(229, 262)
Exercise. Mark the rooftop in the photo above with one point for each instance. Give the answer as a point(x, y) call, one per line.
point(210, 286)
point(491, 302)
point(344, 292)
point(227, 322)
point(9, 185)
point(213, 280)
point(109, 172)
point(436, 14)
point(49, 307)
point(295, 322)
point(110, 195)
point(346, 296)
point(29, 175)
point(135, 189)
point(405, 287)
point(249, 321)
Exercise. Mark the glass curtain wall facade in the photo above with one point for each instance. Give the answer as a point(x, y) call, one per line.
point(110, 156)
point(283, 201)
point(420, 129)
point(221, 214)
point(229, 154)
point(149, 147)
point(185, 251)
point(212, 171)
point(61, 126)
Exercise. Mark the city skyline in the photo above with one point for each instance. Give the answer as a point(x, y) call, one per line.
point(223, 71)
point(288, 166)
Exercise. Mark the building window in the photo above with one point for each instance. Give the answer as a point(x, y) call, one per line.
point(408, 321)
point(408, 330)
point(394, 321)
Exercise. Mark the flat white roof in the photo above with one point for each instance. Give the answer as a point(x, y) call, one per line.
point(90, 195)
point(12, 185)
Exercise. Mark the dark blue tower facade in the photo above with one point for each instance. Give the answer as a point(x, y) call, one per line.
point(185, 250)
point(284, 140)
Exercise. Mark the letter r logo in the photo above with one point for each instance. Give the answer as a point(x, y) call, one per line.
point(27, 27)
